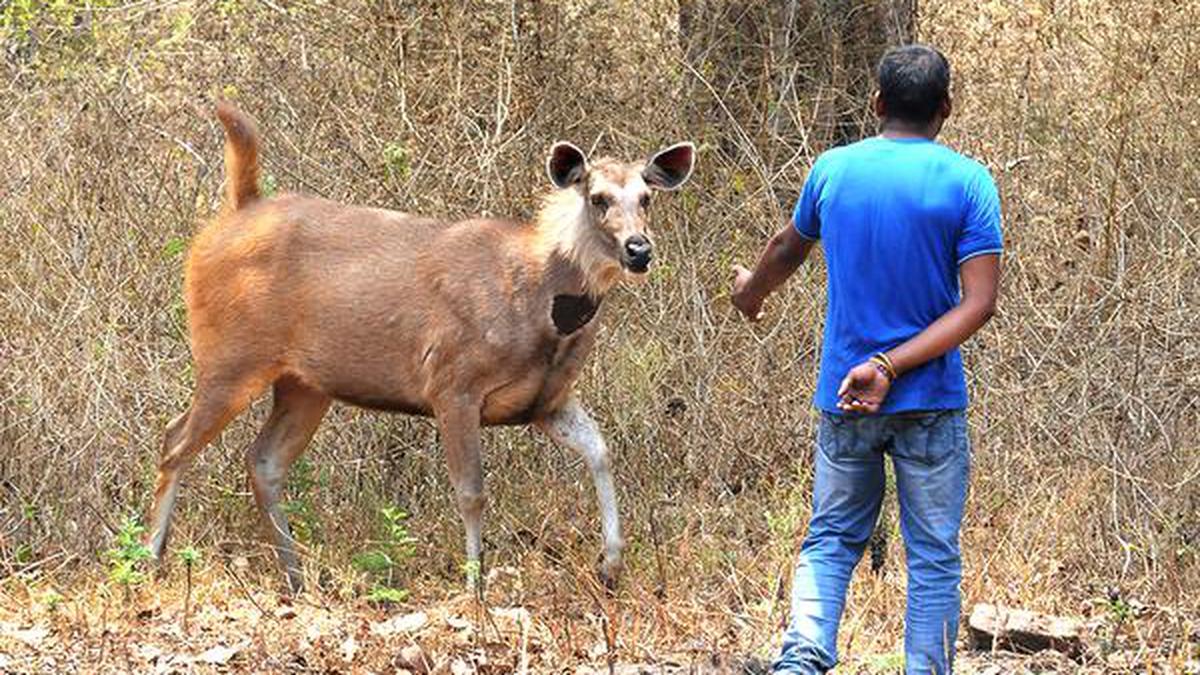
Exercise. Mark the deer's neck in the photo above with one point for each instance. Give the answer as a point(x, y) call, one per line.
point(568, 243)
point(563, 289)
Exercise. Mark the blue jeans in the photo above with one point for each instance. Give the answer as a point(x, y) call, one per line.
point(931, 456)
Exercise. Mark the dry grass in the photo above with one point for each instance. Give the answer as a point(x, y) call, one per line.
point(1086, 387)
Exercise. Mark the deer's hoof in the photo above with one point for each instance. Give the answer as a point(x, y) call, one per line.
point(157, 566)
point(609, 574)
point(295, 583)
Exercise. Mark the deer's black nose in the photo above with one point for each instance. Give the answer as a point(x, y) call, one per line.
point(638, 252)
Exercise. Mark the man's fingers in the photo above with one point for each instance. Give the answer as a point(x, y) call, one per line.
point(852, 403)
point(851, 406)
point(847, 384)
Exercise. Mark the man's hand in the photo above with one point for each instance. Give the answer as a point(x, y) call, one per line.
point(783, 254)
point(745, 302)
point(863, 389)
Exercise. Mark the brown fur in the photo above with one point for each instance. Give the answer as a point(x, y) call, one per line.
point(384, 310)
point(379, 308)
point(241, 155)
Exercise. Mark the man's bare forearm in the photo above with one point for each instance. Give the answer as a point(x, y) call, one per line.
point(980, 278)
point(779, 260)
point(949, 331)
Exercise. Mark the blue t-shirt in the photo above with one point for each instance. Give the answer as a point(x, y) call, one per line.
point(896, 218)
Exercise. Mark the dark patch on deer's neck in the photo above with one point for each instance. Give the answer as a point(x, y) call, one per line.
point(572, 312)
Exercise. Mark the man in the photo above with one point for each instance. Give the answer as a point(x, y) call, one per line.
point(901, 219)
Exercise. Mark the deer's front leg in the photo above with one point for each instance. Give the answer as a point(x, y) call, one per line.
point(458, 425)
point(572, 427)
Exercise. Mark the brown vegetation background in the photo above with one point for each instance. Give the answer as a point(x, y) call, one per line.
point(1086, 387)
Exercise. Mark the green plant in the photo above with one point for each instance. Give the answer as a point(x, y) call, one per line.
point(23, 554)
point(174, 247)
point(20, 19)
point(126, 559)
point(268, 186)
point(1119, 610)
point(386, 595)
point(181, 26)
point(388, 554)
point(190, 556)
point(228, 8)
point(52, 599)
point(395, 161)
point(302, 478)
point(373, 562)
point(885, 663)
point(474, 571)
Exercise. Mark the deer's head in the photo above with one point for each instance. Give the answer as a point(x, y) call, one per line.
point(602, 208)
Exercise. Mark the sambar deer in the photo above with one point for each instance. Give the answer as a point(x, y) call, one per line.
point(475, 323)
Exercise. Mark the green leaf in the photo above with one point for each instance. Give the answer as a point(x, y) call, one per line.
point(173, 248)
point(190, 556)
point(373, 562)
point(267, 185)
point(395, 161)
point(473, 571)
point(385, 595)
point(52, 599)
point(126, 558)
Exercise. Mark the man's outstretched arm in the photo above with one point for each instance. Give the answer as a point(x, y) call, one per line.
point(866, 386)
point(783, 254)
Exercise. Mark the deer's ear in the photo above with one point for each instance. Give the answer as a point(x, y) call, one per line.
point(670, 168)
point(566, 165)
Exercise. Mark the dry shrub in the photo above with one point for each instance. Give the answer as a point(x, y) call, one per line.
point(1085, 386)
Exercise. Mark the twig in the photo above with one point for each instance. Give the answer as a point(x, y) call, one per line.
point(246, 591)
point(660, 589)
point(605, 625)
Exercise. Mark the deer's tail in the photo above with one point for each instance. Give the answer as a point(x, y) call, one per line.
point(241, 155)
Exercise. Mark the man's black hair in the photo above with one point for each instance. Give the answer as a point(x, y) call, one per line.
point(913, 82)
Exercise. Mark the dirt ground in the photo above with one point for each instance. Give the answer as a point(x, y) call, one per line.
point(230, 622)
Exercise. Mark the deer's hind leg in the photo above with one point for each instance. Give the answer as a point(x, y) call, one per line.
point(216, 401)
point(295, 416)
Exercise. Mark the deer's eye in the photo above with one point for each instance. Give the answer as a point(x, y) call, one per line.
point(645, 201)
point(600, 202)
